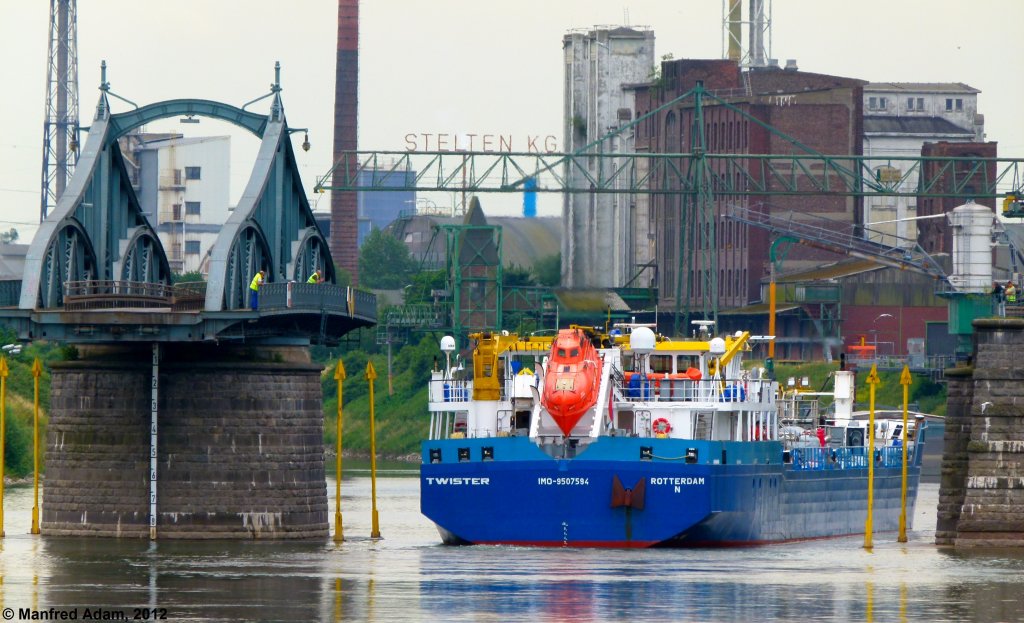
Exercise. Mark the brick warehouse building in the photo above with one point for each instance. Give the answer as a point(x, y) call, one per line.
point(934, 234)
point(823, 112)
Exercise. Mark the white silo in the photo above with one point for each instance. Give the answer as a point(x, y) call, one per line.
point(972, 248)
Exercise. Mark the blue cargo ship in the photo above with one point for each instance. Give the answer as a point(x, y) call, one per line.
point(682, 446)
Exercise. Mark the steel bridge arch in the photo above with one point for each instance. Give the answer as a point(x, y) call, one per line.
point(249, 253)
point(308, 254)
point(140, 256)
point(69, 256)
point(97, 215)
point(98, 230)
point(272, 227)
point(123, 123)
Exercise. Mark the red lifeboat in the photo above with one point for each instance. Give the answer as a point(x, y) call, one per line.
point(572, 378)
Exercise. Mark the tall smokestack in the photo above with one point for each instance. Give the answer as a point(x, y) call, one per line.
point(344, 225)
point(735, 29)
point(757, 51)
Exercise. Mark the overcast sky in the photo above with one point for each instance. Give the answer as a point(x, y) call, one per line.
point(458, 66)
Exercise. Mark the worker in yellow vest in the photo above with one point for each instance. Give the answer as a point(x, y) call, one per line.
point(1011, 293)
point(315, 277)
point(254, 289)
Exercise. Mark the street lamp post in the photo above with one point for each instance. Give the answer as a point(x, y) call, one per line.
point(875, 330)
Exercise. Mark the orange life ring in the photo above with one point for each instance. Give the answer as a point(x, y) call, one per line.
point(661, 426)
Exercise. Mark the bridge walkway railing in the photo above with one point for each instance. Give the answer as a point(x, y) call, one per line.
point(191, 296)
point(278, 296)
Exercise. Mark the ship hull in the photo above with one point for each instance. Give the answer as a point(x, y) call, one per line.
point(509, 491)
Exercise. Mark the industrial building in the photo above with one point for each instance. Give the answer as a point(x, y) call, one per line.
point(602, 242)
point(821, 111)
point(182, 185)
point(827, 301)
point(378, 209)
point(899, 119)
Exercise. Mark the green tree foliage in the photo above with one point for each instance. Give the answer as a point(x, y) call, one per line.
point(423, 284)
point(384, 262)
point(547, 271)
point(18, 441)
point(8, 237)
point(514, 275)
point(401, 419)
point(927, 395)
point(343, 277)
point(193, 275)
point(20, 395)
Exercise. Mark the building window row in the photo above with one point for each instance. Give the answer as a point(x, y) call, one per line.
point(953, 104)
point(730, 282)
point(915, 103)
point(727, 135)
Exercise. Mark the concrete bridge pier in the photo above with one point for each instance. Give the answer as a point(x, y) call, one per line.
point(240, 443)
point(981, 496)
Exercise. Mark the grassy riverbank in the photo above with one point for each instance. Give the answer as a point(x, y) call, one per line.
point(20, 387)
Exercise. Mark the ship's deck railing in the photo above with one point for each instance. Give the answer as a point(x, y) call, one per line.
point(665, 388)
point(657, 389)
point(845, 458)
point(452, 390)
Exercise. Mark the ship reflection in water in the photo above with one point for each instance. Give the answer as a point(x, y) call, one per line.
point(408, 576)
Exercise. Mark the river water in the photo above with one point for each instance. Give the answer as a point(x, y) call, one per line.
point(408, 576)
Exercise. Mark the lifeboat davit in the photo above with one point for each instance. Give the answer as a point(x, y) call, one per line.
point(572, 378)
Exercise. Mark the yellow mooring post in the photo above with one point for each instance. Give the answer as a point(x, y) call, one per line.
point(905, 381)
point(771, 310)
point(371, 375)
point(4, 371)
point(37, 371)
point(869, 452)
point(339, 377)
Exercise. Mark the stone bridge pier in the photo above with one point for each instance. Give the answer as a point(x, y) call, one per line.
point(239, 443)
point(981, 497)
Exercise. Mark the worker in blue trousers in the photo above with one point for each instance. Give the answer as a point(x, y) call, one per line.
point(254, 289)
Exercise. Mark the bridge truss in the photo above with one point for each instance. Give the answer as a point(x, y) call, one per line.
point(98, 234)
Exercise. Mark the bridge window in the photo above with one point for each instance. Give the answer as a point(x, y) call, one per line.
point(191, 247)
point(193, 173)
point(661, 364)
point(192, 207)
